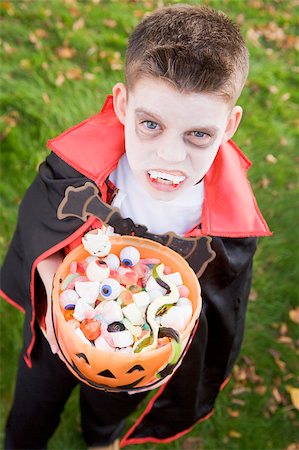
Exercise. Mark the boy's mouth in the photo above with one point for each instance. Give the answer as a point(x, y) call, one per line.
point(166, 180)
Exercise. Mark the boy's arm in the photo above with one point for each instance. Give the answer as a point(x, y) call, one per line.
point(47, 269)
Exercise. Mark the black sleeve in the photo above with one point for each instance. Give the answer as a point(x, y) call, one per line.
point(38, 228)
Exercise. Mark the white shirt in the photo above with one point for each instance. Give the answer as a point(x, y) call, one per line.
point(179, 215)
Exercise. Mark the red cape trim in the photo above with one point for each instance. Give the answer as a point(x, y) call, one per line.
point(12, 302)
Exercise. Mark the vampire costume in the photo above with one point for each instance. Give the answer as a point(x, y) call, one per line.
point(85, 155)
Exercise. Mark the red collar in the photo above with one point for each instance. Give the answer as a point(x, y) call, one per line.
point(93, 147)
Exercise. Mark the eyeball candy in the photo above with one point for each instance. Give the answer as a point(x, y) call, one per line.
point(97, 270)
point(112, 261)
point(122, 300)
point(129, 256)
point(110, 289)
point(68, 297)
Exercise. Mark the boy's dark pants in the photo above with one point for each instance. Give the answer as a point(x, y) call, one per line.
point(41, 393)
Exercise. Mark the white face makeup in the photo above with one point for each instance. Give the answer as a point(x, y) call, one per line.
point(172, 138)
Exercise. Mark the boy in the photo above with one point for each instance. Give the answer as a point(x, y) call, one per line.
point(160, 152)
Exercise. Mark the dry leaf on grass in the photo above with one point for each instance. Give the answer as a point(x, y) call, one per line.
point(294, 394)
point(294, 315)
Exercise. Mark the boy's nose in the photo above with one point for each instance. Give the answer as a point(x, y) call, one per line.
point(171, 152)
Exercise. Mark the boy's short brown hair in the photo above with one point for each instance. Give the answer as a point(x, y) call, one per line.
point(197, 49)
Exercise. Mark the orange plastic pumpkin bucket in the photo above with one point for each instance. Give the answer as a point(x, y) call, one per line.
point(120, 371)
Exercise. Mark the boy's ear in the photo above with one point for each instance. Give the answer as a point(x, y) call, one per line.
point(120, 101)
point(233, 123)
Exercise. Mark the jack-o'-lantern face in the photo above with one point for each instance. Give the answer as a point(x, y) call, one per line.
point(117, 371)
point(112, 371)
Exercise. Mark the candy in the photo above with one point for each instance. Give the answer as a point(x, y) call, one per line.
point(70, 277)
point(154, 293)
point(175, 318)
point(69, 296)
point(81, 336)
point(88, 290)
point(122, 338)
point(183, 290)
point(134, 307)
point(148, 261)
point(135, 288)
point(129, 256)
point(115, 326)
point(73, 267)
point(174, 278)
point(135, 330)
point(153, 285)
point(126, 297)
point(110, 289)
point(133, 314)
point(96, 242)
point(128, 276)
point(102, 344)
point(112, 261)
point(91, 329)
point(97, 270)
point(111, 311)
point(81, 308)
point(141, 300)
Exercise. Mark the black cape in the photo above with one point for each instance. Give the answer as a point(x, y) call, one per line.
point(191, 393)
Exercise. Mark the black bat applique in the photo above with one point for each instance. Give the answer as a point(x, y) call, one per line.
point(85, 201)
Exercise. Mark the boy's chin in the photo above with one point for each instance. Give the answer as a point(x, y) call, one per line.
point(163, 195)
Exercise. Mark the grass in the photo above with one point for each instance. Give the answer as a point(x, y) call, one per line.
point(59, 60)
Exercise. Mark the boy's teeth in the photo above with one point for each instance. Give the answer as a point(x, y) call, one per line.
point(166, 178)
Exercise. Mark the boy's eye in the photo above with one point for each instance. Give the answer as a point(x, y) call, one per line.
point(150, 125)
point(199, 134)
point(199, 138)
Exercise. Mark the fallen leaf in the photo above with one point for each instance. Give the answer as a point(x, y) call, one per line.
point(283, 329)
point(271, 159)
point(80, 23)
point(260, 390)
point(285, 97)
point(285, 340)
point(25, 64)
point(234, 434)
point(273, 89)
point(253, 295)
point(46, 98)
point(192, 443)
point(73, 73)
point(41, 33)
point(238, 401)
point(265, 183)
point(110, 23)
point(276, 355)
point(59, 80)
point(294, 315)
point(89, 76)
point(8, 48)
point(294, 394)
point(233, 412)
point(276, 394)
point(65, 52)
point(293, 447)
point(103, 54)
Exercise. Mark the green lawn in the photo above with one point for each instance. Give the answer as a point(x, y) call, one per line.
point(59, 59)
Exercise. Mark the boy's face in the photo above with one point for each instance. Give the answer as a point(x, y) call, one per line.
point(172, 138)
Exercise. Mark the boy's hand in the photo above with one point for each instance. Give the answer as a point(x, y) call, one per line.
point(50, 334)
point(47, 269)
